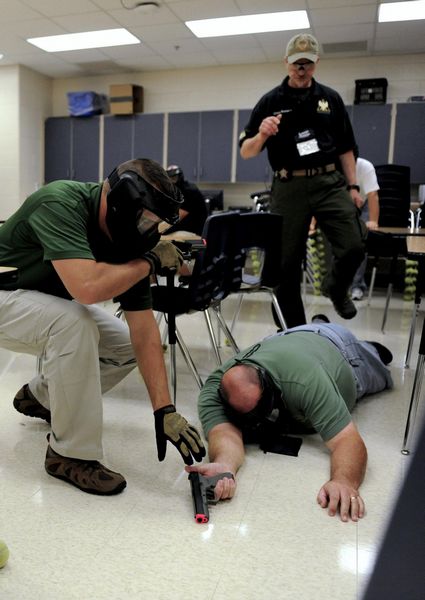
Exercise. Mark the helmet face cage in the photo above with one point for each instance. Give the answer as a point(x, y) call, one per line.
point(136, 208)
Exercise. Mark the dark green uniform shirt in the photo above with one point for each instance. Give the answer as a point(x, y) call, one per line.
point(317, 383)
point(60, 221)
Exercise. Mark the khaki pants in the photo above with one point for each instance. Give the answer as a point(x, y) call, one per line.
point(85, 352)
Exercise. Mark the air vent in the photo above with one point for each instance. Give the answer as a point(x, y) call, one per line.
point(339, 47)
point(103, 67)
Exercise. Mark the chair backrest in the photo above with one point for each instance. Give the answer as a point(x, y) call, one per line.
point(214, 200)
point(394, 195)
point(257, 250)
point(209, 280)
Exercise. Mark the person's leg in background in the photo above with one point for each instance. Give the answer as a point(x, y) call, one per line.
point(339, 220)
point(359, 287)
point(289, 199)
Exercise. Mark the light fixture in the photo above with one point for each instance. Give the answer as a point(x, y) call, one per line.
point(145, 7)
point(87, 39)
point(402, 11)
point(261, 23)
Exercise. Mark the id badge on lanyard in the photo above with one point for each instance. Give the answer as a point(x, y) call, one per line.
point(306, 142)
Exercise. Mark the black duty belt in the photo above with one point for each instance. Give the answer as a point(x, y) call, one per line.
point(284, 174)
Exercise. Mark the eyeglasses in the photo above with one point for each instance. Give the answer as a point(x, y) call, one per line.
point(305, 65)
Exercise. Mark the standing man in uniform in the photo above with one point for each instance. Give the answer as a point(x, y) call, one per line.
point(310, 141)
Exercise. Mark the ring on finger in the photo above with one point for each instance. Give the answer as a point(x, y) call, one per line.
point(353, 498)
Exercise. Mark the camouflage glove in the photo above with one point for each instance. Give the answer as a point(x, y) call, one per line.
point(165, 255)
point(171, 426)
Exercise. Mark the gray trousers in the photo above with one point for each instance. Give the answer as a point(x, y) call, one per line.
point(85, 351)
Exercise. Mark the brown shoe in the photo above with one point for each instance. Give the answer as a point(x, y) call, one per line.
point(88, 475)
point(28, 405)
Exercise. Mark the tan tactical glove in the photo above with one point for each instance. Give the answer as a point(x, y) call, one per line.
point(171, 426)
point(165, 255)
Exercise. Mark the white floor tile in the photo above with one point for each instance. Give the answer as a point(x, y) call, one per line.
point(272, 541)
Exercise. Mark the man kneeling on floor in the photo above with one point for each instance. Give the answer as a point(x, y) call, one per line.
point(307, 378)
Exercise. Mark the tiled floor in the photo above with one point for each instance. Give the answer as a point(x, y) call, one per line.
point(271, 542)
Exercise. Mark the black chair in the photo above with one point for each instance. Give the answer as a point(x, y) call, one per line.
point(207, 286)
point(256, 258)
point(394, 211)
point(214, 200)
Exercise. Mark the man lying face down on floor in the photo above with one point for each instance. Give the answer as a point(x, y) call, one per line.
point(306, 379)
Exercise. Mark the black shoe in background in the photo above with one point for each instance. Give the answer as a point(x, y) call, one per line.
point(345, 307)
point(384, 354)
point(320, 319)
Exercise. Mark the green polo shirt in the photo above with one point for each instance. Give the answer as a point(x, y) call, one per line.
point(60, 221)
point(317, 384)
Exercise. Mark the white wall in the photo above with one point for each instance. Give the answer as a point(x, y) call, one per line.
point(35, 105)
point(9, 140)
point(25, 102)
point(27, 98)
point(241, 86)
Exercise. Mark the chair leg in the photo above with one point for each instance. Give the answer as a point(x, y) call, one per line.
point(188, 359)
point(411, 334)
point(212, 336)
point(173, 372)
point(227, 332)
point(371, 285)
point(387, 303)
point(278, 311)
point(237, 311)
point(413, 406)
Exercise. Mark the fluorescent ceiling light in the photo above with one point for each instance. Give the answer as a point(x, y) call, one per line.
point(402, 11)
point(84, 40)
point(262, 23)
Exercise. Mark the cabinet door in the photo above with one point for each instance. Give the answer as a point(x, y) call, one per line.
point(118, 141)
point(57, 149)
point(372, 124)
point(85, 149)
point(409, 145)
point(255, 169)
point(183, 142)
point(149, 137)
point(215, 146)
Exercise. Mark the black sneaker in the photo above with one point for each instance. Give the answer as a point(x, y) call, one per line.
point(384, 354)
point(28, 405)
point(319, 319)
point(90, 476)
point(345, 307)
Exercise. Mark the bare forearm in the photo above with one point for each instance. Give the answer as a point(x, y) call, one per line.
point(348, 462)
point(225, 446)
point(89, 281)
point(373, 206)
point(146, 342)
point(348, 165)
point(253, 146)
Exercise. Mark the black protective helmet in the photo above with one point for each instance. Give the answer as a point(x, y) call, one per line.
point(175, 173)
point(141, 204)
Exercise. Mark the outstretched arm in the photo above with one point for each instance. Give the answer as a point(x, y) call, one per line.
point(226, 452)
point(169, 425)
point(348, 465)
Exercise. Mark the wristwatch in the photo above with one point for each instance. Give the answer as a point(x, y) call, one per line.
point(353, 186)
